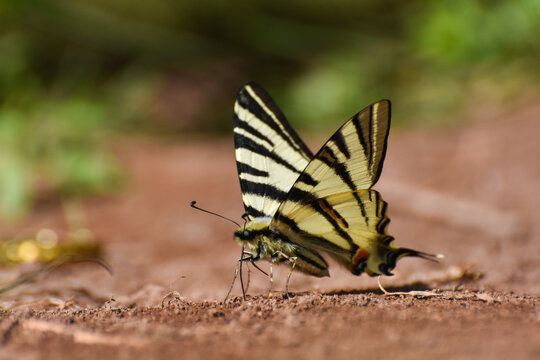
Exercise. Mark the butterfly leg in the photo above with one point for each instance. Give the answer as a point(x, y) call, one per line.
point(249, 277)
point(251, 259)
point(271, 280)
point(241, 278)
point(238, 269)
point(277, 256)
point(232, 283)
point(293, 260)
point(280, 256)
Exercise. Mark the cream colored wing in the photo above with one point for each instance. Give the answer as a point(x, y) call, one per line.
point(270, 156)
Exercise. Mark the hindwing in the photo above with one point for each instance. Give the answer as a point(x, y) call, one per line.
point(336, 224)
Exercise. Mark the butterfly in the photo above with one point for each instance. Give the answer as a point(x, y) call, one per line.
point(298, 204)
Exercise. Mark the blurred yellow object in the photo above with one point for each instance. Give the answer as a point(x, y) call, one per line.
point(46, 247)
point(28, 251)
point(10, 251)
point(47, 238)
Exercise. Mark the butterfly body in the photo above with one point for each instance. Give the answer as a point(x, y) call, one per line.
point(299, 204)
point(271, 245)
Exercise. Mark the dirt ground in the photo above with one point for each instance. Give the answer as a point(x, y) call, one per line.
point(469, 192)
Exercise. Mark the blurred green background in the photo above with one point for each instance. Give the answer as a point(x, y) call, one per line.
point(75, 75)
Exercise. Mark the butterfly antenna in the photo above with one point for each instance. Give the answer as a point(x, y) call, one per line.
point(192, 204)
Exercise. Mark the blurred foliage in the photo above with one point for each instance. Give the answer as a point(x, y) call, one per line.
point(75, 73)
point(53, 147)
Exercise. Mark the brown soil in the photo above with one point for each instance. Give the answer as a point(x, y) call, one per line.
point(469, 192)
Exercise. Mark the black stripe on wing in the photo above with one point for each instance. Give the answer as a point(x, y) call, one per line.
point(245, 100)
point(247, 169)
point(380, 212)
point(254, 213)
point(314, 240)
point(380, 161)
point(264, 190)
point(339, 140)
point(360, 134)
point(250, 130)
point(322, 207)
point(242, 142)
point(373, 140)
point(327, 156)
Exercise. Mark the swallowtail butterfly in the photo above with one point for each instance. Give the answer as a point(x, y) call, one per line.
point(299, 204)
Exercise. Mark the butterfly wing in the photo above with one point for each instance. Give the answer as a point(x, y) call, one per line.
point(270, 156)
point(355, 236)
point(351, 159)
point(335, 210)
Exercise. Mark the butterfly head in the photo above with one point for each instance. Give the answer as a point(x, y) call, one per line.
point(251, 232)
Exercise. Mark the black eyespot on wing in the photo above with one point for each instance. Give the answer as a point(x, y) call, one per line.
point(384, 269)
point(360, 267)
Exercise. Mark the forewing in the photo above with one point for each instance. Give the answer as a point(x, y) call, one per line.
point(351, 160)
point(270, 156)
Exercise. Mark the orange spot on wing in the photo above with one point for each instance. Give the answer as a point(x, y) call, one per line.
point(342, 223)
point(334, 214)
point(323, 206)
point(361, 254)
